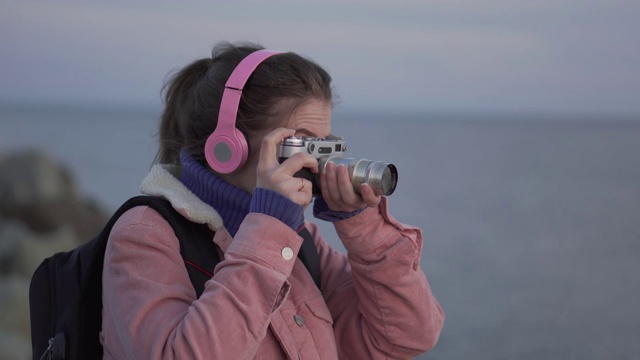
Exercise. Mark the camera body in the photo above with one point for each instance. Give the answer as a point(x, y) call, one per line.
point(331, 146)
point(382, 177)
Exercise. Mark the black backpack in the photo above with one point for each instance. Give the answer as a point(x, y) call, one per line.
point(65, 294)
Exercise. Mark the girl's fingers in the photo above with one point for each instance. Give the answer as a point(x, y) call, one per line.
point(337, 190)
point(347, 194)
point(273, 175)
point(269, 147)
point(368, 196)
point(299, 161)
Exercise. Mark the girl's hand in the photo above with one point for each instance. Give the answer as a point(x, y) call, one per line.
point(272, 175)
point(338, 192)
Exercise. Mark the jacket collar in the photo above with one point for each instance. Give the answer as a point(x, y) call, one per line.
point(162, 181)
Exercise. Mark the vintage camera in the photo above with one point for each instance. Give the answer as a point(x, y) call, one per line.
point(382, 177)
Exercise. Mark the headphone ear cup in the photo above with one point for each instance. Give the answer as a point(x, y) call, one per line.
point(226, 150)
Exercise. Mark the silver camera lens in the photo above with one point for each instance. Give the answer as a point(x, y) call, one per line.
point(382, 177)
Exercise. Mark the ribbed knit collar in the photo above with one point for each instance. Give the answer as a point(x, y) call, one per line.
point(230, 202)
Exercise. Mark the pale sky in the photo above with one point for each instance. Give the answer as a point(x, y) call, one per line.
point(556, 56)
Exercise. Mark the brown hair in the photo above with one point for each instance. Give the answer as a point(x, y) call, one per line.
point(275, 89)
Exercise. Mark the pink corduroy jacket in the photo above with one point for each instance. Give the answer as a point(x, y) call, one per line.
point(375, 302)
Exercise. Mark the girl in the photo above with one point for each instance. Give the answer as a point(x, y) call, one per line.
point(261, 303)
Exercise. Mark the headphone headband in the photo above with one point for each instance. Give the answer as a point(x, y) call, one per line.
point(233, 88)
point(226, 149)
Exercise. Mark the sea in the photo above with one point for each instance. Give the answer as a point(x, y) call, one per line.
point(531, 222)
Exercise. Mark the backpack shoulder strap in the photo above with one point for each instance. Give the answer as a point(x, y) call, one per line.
point(308, 254)
point(199, 252)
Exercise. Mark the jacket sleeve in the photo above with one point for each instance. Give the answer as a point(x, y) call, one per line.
point(378, 295)
point(150, 309)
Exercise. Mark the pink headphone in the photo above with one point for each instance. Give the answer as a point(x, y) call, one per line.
point(226, 149)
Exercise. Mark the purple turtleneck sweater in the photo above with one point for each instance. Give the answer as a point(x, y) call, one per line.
point(234, 204)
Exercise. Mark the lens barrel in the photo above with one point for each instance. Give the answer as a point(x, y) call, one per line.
point(382, 177)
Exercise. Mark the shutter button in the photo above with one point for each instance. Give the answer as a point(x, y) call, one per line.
point(299, 320)
point(287, 253)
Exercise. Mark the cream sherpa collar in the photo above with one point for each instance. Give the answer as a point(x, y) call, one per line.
point(162, 181)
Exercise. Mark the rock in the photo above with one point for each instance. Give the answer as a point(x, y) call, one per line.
point(11, 233)
point(84, 217)
point(14, 346)
point(32, 177)
point(22, 250)
point(35, 248)
point(14, 298)
point(41, 193)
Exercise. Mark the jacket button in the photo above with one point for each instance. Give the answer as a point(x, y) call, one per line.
point(299, 320)
point(287, 253)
